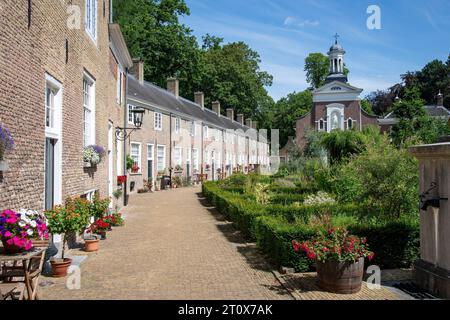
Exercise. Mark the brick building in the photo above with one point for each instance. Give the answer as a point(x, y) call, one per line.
point(187, 136)
point(63, 74)
point(337, 104)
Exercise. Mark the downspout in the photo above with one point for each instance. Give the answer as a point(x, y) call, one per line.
point(170, 150)
point(125, 193)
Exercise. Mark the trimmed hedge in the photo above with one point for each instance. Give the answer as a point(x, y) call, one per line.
point(396, 244)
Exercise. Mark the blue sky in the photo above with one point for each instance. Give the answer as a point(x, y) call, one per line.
point(284, 32)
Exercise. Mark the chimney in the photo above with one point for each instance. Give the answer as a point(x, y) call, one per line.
point(200, 99)
point(230, 113)
point(216, 107)
point(173, 86)
point(138, 69)
point(440, 99)
point(255, 125)
point(248, 122)
point(240, 118)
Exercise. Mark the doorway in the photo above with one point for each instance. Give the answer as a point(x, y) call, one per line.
point(49, 173)
point(110, 162)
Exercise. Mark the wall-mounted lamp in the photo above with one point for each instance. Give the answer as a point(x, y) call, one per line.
point(426, 200)
point(123, 134)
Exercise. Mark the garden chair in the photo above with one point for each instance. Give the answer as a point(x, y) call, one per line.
point(14, 274)
point(12, 291)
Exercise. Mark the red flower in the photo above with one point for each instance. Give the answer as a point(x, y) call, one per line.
point(371, 256)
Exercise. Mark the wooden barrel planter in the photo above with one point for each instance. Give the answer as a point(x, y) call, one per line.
point(341, 277)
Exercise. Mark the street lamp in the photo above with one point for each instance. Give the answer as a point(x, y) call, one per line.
point(123, 134)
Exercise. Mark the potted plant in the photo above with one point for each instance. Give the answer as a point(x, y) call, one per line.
point(19, 231)
point(177, 182)
point(135, 168)
point(339, 258)
point(207, 167)
point(100, 227)
point(117, 220)
point(149, 185)
point(178, 169)
point(130, 162)
point(6, 143)
point(93, 155)
point(71, 218)
point(91, 243)
point(99, 207)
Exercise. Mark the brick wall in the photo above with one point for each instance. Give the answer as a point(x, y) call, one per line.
point(26, 56)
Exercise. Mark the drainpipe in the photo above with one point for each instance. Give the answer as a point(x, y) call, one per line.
point(125, 202)
point(170, 150)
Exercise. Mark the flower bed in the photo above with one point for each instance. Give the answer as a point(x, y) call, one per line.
point(274, 227)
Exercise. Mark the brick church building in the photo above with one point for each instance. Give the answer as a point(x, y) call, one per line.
point(337, 104)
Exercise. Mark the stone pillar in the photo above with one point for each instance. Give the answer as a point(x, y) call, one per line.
point(432, 270)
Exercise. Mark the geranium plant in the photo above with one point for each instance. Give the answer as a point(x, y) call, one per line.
point(73, 217)
point(19, 229)
point(121, 180)
point(93, 154)
point(6, 141)
point(335, 245)
point(99, 207)
point(100, 226)
point(135, 168)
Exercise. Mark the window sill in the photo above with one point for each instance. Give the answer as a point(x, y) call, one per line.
point(136, 174)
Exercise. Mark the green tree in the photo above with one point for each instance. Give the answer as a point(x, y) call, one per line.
point(414, 125)
point(341, 145)
point(367, 107)
point(153, 32)
point(287, 111)
point(317, 67)
point(231, 74)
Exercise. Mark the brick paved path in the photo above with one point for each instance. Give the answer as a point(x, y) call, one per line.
point(172, 247)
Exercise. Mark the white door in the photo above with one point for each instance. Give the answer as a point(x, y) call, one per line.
point(110, 162)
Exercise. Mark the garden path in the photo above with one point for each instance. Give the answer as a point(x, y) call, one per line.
point(173, 246)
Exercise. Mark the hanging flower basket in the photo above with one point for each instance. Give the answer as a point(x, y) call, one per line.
point(93, 155)
point(121, 180)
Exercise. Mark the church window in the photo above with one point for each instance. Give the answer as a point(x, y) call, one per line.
point(321, 125)
point(350, 124)
point(336, 89)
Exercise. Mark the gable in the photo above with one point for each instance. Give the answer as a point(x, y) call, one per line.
point(336, 91)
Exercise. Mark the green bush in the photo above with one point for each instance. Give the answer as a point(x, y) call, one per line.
point(286, 198)
point(395, 242)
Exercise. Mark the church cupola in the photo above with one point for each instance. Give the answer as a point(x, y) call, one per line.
point(336, 57)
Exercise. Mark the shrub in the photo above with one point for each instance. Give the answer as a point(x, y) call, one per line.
point(383, 177)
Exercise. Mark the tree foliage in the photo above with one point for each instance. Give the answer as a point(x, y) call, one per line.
point(414, 125)
point(229, 73)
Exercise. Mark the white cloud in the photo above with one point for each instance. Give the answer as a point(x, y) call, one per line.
point(290, 21)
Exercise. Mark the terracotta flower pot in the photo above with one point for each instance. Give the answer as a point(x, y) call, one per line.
point(11, 248)
point(341, 277)
point(91, 245)
point(60, 267)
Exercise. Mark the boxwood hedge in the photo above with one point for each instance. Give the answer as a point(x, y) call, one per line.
point(273, 227)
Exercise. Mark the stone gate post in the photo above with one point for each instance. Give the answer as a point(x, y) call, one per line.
point(432, 270)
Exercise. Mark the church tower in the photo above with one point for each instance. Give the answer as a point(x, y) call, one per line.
point(336, 104)
point(337, 65)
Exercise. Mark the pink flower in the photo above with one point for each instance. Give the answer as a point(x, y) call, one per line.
point(10, 242)
point(28, 245)
point(11, 220)
point(7, 234)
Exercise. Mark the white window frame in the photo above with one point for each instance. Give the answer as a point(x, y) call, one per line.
point(177, 125)
point(193, 129)
point(91, 19)
point(139, 155)
point(195, 162)
point(151, 155)
point(353, 123)
point(88, 108)
point(158, 121)
point(164, 158)
point(130, 108)
point(178, 159)
point(205, 132)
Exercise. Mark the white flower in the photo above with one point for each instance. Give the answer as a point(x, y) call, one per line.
point(22, 224)
point(30, 232)
point(33, 224)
